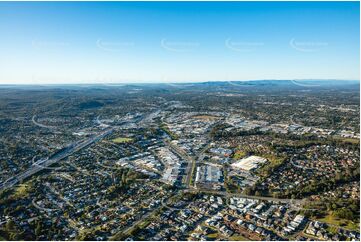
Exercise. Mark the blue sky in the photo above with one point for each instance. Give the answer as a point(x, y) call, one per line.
point(92, 42)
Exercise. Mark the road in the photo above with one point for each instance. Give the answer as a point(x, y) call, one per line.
point(164, 204)
point(300, 167)
point(229, 194)
point(191, 162)
point(190, 159)
point(67, 151)
point(44, 163)
point(199, 157)
point(41, 125)
point(42, 208)
point(52, 189)
point(148, 214)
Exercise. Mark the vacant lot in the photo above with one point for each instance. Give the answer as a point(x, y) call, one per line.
point(122, 140)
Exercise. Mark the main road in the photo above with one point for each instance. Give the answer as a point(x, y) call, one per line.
point(65, 152)
point(44, 163)
point(240, 195)
point(190, 161)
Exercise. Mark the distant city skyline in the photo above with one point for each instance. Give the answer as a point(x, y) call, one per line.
point(123, 42)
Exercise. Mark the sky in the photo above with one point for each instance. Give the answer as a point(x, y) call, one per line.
point(112, 42)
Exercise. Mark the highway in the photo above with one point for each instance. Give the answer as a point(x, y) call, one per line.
point(67, 151)
point(44, 163)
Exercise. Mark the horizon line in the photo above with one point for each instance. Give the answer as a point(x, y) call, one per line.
point(175, 82)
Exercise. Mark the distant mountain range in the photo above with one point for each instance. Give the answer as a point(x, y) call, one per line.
point(274, 83)
point(284, 82)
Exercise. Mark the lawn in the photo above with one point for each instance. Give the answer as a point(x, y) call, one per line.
point(120, 140)
point(213, 236)
point(238, 237)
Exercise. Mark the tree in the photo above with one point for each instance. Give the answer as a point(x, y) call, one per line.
point(10, 225)
point(276, 194)
point(38, 229)
point(344, 213)
point(258, 193)
point(248, 191)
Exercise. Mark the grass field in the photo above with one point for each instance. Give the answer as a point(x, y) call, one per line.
point(22, 190)
point(213, 236)
point(120, 140)
point(274, 162)
point(239, 154)
point(347, 140)
point(331, 219)
point(238, 237)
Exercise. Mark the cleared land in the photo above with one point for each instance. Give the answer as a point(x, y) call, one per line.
point(122, 140)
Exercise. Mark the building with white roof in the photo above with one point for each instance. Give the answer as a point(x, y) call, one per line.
point(249, 163)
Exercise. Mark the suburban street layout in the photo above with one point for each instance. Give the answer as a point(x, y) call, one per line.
point(250, 160)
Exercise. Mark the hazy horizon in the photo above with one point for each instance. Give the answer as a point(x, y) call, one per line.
point(300, 81)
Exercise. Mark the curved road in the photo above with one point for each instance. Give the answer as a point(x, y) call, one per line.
point(41, 125)
point(44, 163)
